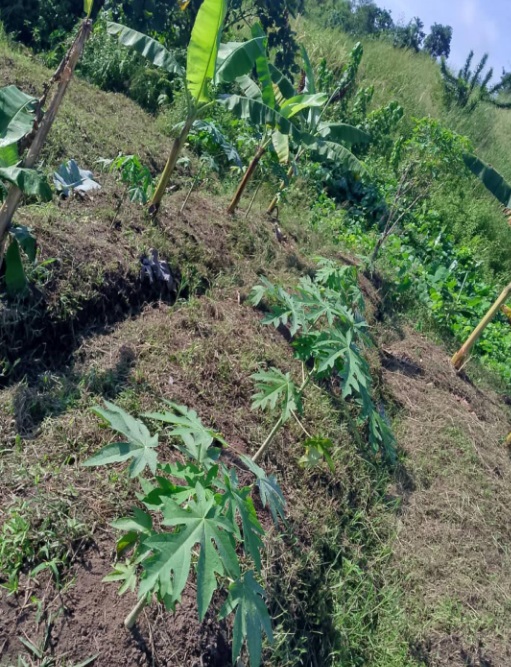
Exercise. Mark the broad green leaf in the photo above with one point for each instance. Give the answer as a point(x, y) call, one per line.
point(298, 103)
point(168, 569)
point(321, 149)
point(258, 113)
point(148, 47)
point(287, 311)
point(251, 620)
point(263, 69)
point(283, 84)
point(9, 155)
point(140, 446)
point(490, 178)
point(203, 48)
point(281, 145)
point(126, 572)
point(25, 239)
point(239, 502)
point(269, 489)
point(330, 349)
point(140, 522)
point(198, 439)
point(249, 88)
point(342, 133)
point(236, 59)
point(15, 278)
point(29, 181)
point(310, 86)
point(317, 449)
point(87, 7)
point(16, 115)
point(276, 388)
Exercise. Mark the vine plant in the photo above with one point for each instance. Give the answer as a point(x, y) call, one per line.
point(324, 317)
point(204, 520)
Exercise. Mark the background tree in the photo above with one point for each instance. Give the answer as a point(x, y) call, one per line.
point(438, 42)
point(470, 88)
point(410, 36)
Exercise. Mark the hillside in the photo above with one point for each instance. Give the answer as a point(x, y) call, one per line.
point(379, 563)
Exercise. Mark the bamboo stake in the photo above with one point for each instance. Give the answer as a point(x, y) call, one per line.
point(461, 356)
point(246, 178)
point(63, 76)
point(175, 152)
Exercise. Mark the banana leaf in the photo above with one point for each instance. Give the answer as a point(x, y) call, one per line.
point(490, 177)
point(16, 115)
point(155, 52)
point(203, 48)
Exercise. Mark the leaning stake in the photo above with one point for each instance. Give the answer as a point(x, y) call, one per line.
point(62, 76)
point(460, 357)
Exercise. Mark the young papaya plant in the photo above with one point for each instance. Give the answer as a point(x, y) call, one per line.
point(197, 517)
point(14, 126)
point(207, 61)
point(272, 105)
point(325, 140)
point(324, 317)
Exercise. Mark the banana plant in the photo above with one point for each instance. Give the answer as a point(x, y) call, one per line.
point(326, 141)
point(272, 105)
point(17, 115)
point(23, 118)
point(207, 61)
point(490, 178)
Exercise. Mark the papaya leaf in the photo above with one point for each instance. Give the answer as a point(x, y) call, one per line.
point(276, 388)
point(269, 490)
point(168, 569)
point(198, 440)
point(140, 446)
point(251, 620)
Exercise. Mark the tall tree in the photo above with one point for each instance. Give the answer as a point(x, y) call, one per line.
point(438, 42)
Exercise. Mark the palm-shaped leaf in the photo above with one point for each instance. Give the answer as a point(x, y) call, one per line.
point(168, 569)
point(140, 445)
point(252, 619)
point(276, 388)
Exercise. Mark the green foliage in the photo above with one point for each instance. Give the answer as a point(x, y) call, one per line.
point(206, 510)
point(470, 87)
point(490, 178)
point(438, 42)
point(324, 317)
point(139, 445)
point(136, 176)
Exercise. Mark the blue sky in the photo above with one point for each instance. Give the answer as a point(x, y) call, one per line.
point(482, 25)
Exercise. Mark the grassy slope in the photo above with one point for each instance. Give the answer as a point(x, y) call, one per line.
point(379, 573)
point(414, 80)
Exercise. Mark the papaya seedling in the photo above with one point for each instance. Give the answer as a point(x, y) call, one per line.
point(205, 521)
point(324, 317)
